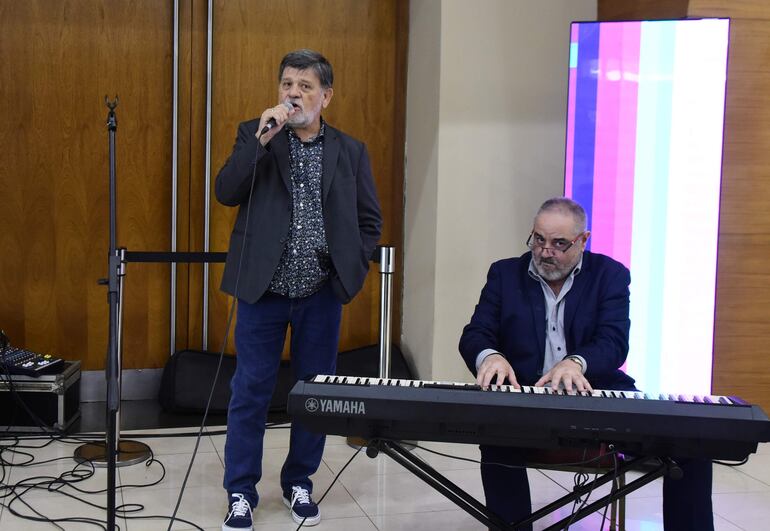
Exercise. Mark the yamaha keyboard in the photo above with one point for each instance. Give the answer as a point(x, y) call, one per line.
point(713, 427)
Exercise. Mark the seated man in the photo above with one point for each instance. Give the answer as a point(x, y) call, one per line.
point(559, 316)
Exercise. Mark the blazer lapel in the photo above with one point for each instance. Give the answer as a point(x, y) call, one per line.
point(575, 295)
point(331, 153)
point(279, 145)
point(537, 304)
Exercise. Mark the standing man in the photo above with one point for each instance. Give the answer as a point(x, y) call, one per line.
point(308, 221)
point(559, 315)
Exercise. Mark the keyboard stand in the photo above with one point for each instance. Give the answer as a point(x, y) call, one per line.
point(476, 509)
point(432, 477)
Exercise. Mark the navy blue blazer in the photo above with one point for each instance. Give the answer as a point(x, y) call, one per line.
point(510, 318)
point(351, 211)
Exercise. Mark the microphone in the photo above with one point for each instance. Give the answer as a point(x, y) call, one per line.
point(271, 122)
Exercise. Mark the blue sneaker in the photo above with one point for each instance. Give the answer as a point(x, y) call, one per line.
point(303, 508)
point(239, 517)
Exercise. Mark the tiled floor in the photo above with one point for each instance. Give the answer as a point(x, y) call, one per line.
point(371, 494)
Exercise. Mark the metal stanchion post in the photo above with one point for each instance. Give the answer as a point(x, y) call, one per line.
point(387, 266)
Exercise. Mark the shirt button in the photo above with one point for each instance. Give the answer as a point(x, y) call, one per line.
point(557, 348)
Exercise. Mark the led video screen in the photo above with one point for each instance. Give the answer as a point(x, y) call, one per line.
point(643, 156)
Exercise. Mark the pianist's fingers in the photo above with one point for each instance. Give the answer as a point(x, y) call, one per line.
point(566, 373)
point(495, 369)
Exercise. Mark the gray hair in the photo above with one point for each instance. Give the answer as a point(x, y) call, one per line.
point(304, 59)
point(565, 205)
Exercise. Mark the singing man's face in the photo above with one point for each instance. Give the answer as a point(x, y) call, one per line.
point(560, 227)
point(302, 88)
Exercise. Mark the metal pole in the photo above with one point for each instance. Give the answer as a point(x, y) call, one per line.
point(113, 393)
point(174, 177)
point(387, 267)
point(207, 188)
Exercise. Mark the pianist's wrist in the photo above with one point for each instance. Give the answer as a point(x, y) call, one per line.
point(580, 360)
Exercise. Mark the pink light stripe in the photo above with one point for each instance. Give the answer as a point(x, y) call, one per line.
point(570, 148)
point(615, 141)
point(624, 193)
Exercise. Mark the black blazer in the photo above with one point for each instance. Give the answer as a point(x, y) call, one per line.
point(510, 318)
point(351, 211)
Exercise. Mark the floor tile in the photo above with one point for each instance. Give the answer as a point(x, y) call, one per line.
point(747, 510)
point(758, 467)
point(448, 520)
point(205, 506)
point(396, 493)
point(207, 470)
point(56, 506)
point(175, 445)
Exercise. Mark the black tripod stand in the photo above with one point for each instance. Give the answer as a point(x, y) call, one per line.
point(113, 452)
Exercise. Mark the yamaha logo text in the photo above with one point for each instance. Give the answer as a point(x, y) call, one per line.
point(346, 407)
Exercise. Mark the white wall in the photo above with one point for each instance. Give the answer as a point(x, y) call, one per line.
point(486, 112)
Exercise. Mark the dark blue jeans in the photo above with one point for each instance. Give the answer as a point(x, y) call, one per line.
point(259, 337)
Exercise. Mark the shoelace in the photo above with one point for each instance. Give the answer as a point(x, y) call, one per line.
point(240, 507)
point(298, 494)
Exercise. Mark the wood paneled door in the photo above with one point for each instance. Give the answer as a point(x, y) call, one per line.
point(58, 60)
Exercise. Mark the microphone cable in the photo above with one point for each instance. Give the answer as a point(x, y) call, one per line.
point(227, 334)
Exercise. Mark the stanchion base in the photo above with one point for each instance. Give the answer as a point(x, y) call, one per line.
point(129, 453)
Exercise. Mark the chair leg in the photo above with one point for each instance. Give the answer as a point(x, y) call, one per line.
point(613, 515)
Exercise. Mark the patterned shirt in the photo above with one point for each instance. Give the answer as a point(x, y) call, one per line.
point(305, 262)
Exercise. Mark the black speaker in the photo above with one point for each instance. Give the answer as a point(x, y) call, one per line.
point(188, 375)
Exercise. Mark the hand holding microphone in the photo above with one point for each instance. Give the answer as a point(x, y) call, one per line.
point(272, 121)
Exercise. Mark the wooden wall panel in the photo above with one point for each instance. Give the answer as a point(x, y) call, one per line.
point(366, 44)
point(641, 9)
point(742, 327)
point(57, 62)
point(737, 9)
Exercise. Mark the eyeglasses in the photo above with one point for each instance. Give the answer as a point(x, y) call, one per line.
point(559, 244)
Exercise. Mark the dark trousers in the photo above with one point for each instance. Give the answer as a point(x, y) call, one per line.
point(686, 501)
point(259, 337)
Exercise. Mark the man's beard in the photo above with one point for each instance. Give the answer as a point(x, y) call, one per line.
point(301, 118)
point(558, 272)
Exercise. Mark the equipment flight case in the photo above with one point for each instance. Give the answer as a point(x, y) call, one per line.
point(49, 402)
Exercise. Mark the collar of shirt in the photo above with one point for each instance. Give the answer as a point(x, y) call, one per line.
point(546, 288)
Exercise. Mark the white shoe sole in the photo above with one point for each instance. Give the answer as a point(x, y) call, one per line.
point(298, 519)
point(226, 527)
